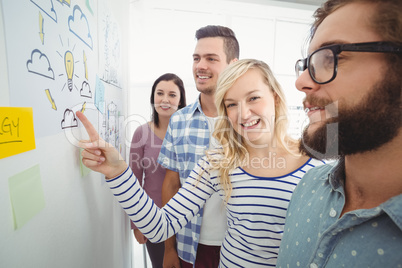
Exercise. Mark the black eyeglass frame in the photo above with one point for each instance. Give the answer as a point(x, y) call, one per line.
point(381, 47)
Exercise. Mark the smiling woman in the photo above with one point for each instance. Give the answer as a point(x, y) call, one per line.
point(250, 106)
point(167, 96)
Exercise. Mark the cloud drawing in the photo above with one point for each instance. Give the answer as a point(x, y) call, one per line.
point(78, 25)
point(86, 90)
point(69, 119)
point(40, 64)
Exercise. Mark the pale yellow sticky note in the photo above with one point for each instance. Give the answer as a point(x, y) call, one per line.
point(16, 131)
point(84, 170)
point(26, 195)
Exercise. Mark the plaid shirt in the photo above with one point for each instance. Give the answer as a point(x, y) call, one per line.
point(186, 140)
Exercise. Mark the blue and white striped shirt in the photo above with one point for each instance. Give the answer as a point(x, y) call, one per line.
point(256, 210)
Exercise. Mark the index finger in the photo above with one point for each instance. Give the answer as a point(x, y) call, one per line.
point(93, 134)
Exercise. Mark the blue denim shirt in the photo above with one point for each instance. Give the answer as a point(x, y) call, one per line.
point(315, 236)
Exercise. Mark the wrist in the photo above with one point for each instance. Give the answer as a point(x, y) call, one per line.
point(170, 250)
point(170, 245)
point(117, 171)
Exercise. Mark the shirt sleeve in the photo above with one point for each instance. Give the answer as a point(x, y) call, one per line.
point(159, 224)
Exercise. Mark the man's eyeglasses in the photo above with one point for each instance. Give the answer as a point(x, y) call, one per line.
point(322, 64)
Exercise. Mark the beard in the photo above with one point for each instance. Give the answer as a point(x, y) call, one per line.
point(375, 121)
point(207, 91)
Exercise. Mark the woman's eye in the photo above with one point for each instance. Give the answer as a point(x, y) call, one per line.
point(254, 98)
point(173, 95)
point(230, 105)
point(160, 94)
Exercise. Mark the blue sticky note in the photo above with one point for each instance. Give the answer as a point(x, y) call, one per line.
point(100, 95)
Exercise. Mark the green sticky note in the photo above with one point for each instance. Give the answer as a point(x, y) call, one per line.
point(26, 195)
point(84, 170)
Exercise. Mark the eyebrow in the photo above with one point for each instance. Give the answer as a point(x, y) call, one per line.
point(170, 91)
point(329, 43)
point(251, 92)
point(206, 55)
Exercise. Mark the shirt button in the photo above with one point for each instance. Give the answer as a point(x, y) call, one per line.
point(313, 265)
point(332, 213)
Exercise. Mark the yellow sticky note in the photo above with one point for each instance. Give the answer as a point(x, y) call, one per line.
point(26, 194)
point(16, 131)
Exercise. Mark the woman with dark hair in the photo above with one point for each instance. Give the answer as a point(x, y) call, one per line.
point(167, 96)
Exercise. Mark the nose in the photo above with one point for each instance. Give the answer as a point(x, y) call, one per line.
point(244, 111)
point(201, 64)
point(305, 83)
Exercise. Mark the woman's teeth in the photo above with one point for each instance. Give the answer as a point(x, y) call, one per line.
point(251, 123)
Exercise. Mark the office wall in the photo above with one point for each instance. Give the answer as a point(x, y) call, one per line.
point(54, 212)
point(162, 40)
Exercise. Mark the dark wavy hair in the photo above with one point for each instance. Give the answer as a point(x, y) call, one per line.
point(178, 82)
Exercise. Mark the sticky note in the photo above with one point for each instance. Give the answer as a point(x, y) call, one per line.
point(84, 170)
point(16, 131)
point(26, 195)
point(100, 95)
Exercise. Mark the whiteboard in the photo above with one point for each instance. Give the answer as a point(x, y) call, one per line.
point(55, 213)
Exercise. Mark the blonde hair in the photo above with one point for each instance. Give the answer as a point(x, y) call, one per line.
point(233, 152)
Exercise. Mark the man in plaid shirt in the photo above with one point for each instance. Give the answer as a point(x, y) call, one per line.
point(188, 136)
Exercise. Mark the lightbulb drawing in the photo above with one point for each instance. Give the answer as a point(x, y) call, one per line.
point(69, 64)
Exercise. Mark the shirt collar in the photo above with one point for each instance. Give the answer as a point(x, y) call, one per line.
point(336, 175)
point(393, 206)
point(195, 107)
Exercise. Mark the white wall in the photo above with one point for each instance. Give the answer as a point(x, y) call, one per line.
point(162, 40)
point(81, 224)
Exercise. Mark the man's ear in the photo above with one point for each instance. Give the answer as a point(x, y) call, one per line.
point(234, 60)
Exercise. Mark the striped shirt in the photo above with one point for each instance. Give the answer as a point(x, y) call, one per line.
point(256, 210)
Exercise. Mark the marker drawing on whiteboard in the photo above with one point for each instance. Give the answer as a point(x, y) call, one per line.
point(51, 100)
point(83, 107)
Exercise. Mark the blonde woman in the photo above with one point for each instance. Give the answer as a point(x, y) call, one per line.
point(254, 172)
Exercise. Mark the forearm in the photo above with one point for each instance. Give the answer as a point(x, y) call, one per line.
point(170, 244)
point(156, 224)
point(171, 185)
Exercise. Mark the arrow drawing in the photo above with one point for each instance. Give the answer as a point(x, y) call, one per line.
point(83, 107)
point(41, 33)
point(51, 99)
